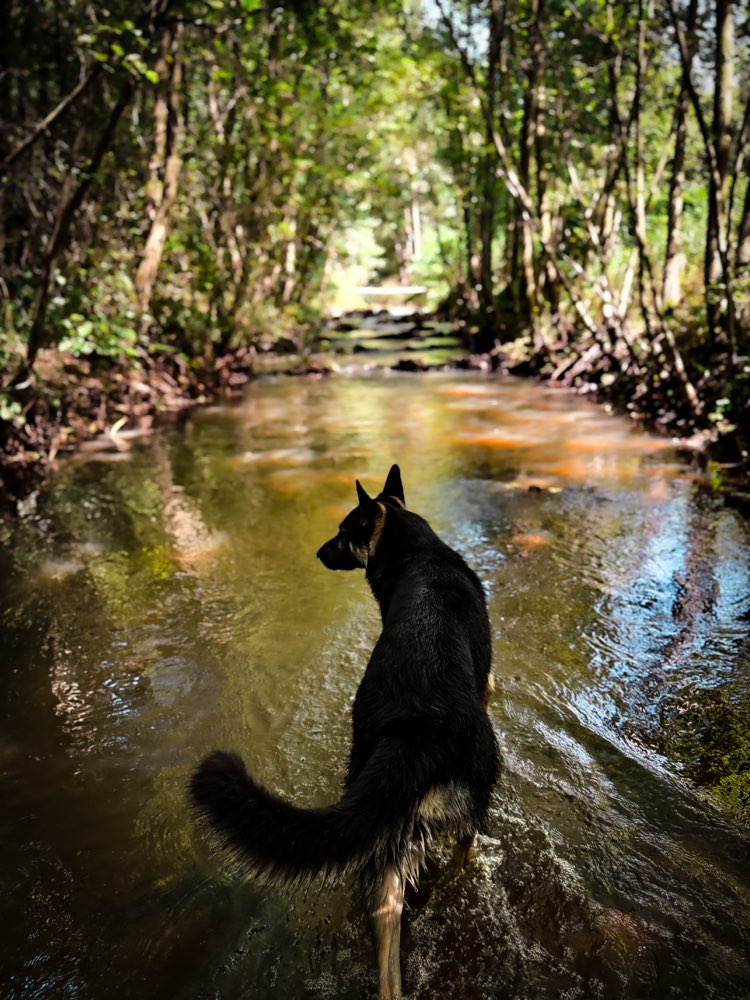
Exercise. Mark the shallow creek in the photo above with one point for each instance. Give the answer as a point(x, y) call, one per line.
point(164, 599)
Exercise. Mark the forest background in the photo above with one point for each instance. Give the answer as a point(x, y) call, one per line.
point(186, 182)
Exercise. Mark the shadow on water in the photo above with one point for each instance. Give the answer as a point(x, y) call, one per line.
point(169, 602)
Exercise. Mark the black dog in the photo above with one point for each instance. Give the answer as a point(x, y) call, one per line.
point(424, 756)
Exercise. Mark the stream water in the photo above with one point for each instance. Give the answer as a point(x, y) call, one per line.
point(163, 598)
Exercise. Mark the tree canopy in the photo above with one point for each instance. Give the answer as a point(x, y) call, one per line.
point(571, 180)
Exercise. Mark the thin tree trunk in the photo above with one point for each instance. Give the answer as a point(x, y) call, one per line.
point(530, 126)
point(416, 226)
point(743, 240)
point(674, 260)
point(742, 269)
point(648, 308)
point(290, 257)
point(64, 105)
point(165, 167)
point(547, 283)
point(719, 300)
point(496, 14)
point(470, 275)
point(741, 255)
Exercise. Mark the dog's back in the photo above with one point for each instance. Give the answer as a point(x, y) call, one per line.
point(426, 682)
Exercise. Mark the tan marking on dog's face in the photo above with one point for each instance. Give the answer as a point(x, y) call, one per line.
point(377, 530)
point(360, 553)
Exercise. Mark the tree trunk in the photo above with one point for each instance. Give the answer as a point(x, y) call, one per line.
point(674, 260)
point(496, 13)
point(290, 256)
point(743, 239)
point(164, 168)
point(720, 306)
point(647, 307)
point(416, 226)
point(742, 270)
point(530, 126)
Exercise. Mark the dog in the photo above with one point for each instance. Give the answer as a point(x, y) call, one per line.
point(424, 756)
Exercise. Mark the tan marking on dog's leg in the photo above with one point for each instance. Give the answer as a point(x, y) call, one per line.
point(386, 906)
point(464, 850)
point(489, 690)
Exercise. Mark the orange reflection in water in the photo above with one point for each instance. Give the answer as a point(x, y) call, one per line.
point(558, 440)
point(465, 390)
point(291, 482)
point(275, 456)
point(623, 443)
point(582, 469)
point(527, 542)
point(490, 439)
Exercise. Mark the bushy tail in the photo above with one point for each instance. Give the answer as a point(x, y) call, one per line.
point(281, 842)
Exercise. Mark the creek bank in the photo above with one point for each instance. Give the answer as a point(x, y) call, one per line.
point(69, 401)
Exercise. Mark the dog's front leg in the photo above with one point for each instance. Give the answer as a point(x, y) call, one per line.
point(386, 901)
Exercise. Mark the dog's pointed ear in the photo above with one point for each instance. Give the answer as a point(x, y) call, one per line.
point(365, 502)
point(393, 487)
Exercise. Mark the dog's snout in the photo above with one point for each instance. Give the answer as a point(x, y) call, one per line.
point(336, 554)
point(325, 553)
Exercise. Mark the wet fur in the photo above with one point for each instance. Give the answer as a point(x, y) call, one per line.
point(424, 756)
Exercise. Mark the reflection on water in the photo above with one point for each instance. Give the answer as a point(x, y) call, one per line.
point(156, 607)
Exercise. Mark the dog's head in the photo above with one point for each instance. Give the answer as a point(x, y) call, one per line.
point(360, 531)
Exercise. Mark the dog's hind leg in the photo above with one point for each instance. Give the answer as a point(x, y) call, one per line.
point(464, 850)
point(386, 901)
point(489, 690)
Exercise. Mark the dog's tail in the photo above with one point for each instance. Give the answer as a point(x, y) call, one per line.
point(374, 821)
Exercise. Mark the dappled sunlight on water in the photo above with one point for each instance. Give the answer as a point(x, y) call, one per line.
point(154, 608)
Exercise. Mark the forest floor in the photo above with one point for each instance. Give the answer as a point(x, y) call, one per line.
point(67, 401)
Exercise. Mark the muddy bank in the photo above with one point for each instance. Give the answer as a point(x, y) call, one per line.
point(67, 401)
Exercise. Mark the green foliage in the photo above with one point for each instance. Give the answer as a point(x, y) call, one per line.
point(92, 336)
point(708, 731)
point(11, 410)
point(732, 794)
point(94, 317)
point(313, 143)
